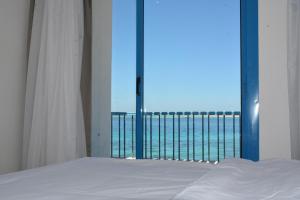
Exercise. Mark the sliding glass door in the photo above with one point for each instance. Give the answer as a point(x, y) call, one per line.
point(192, 79)
point(123, 79)
point(177, 74)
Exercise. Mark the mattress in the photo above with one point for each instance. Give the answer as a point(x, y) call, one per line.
point(102, 178)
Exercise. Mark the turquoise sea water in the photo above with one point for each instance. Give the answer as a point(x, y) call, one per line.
point(205, 131)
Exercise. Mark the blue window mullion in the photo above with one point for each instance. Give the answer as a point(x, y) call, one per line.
point(139, 77)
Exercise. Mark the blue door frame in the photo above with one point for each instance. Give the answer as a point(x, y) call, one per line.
point(249, 79)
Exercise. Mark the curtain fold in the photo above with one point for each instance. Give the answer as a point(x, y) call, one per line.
point(294, 75)
point(86, 74)
point(53, 123)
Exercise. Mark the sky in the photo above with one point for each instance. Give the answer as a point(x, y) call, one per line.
point(192, 55)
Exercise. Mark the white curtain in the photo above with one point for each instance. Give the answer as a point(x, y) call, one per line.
point(294, 74)
point(53, 123)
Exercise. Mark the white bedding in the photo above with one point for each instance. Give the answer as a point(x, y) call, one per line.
point(246, 180)
point(98, 178)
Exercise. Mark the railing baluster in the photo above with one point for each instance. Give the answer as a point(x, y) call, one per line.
point(158, 113)
point(188, 138)
point(202, 126)
point(178, 137)
point(233, 135)
point(188, 134)
point(119, 135)
point(209, 152)
point(240, 134)
point(150, 135)
point(146, 136)
point(111, 135)
point(173, 130)
point(218, 121)
point(193, 137)
point(228, 113)
point(194, 113)
point(124, 137)
point(165, 135)
point(224, 136)
point(132, 136)
point(208, 137)
point(178, 114)
point(159, 136)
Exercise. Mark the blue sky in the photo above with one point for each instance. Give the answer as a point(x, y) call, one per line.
point(192, 55)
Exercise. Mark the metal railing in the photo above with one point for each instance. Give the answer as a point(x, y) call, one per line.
point(190, 136)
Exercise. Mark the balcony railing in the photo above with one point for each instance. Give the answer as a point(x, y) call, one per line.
point(189, 136)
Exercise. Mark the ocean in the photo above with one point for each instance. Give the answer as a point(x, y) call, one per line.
point(207, 139)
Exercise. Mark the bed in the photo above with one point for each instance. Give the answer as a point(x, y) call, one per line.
point(104, 178)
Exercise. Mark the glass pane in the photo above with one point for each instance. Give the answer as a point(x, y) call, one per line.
point(123, 77)
point(192, 64)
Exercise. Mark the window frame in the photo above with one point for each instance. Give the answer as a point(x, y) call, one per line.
point(249, 79)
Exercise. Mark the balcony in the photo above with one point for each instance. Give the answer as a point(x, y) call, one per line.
point(187, 136)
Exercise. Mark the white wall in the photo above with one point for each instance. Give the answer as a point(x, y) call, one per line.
point(274, 110)
point(274, 116)
point(14, 15)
